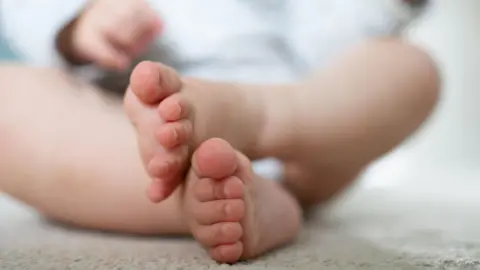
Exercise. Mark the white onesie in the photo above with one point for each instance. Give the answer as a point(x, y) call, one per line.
point(256, 41)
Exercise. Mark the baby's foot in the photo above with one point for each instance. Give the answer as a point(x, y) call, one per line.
point(233, 213)
point(173, 116)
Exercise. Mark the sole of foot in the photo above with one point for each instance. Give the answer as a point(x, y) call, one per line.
point(233, 213)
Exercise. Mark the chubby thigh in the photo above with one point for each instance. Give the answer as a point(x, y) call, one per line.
point(70, 152)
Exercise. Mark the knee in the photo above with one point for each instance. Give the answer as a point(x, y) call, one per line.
point(11, 72)
point(413, 74)
point(14, 75)
point(6, 72)
point(19, 73)
point(18, 91)
point(9, 75)
point(424, 77)
point(19, 83)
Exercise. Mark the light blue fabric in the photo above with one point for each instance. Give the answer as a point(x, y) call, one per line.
point(5, 52)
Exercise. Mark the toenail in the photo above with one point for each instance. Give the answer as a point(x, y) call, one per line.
point(217, 192)
point(177, 110)
point(225, 191)
point(175, 134)
point(227, 209)
point(225, 229)
point(165, 168)
point(223, 252)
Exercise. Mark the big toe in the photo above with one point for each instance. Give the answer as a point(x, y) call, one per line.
point(152, 82)
point(215, 200)
point(215, 158)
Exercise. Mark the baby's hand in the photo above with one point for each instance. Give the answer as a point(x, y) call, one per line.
point(110, 33)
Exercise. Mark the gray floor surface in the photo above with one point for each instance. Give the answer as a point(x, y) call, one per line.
point(375, 229)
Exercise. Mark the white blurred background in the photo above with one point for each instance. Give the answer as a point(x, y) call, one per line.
point(445, 154)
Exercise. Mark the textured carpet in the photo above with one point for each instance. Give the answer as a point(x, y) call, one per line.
point(376, 229)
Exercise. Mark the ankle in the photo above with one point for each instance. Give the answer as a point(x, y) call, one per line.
point(315, 184)
point(275, 138)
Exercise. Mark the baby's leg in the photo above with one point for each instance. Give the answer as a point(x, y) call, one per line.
point(71, 154)
point(326, 129)
point(359, 107)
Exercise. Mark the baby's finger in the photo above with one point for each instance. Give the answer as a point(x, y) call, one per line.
point(107, 55)
point(144, 41)
point(135, 36)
